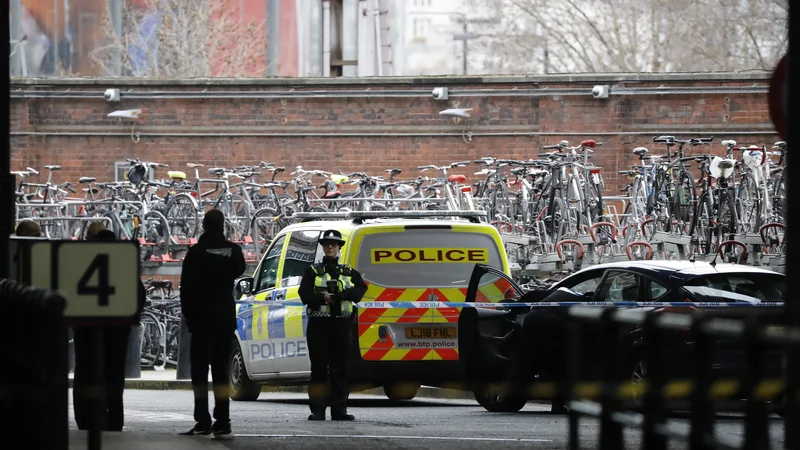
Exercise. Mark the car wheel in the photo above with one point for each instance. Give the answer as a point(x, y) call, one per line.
point(401, 391)
point(493, 398)
point(638, 376)
point(242, 387)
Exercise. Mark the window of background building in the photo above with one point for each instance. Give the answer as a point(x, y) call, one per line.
point(421, 27)
point(121, 169)
point(422, 2)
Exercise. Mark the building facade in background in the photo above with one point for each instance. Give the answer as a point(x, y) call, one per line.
point(317, 38)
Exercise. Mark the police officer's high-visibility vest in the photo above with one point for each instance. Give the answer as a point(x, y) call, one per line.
point(321, 285)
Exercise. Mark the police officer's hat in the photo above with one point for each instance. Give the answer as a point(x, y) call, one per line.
point(332, 236)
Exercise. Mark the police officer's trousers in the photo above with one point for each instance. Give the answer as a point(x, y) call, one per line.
point(214, 349)
point(109, 390)
point(329, 341)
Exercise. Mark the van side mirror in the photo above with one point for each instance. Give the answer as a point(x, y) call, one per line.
point(244, 285)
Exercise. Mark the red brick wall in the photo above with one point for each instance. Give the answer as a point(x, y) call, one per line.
point(626, 120)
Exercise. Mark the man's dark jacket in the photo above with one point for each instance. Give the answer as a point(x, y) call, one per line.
point(209, 270)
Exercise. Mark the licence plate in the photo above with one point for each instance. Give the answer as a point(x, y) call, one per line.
point(431, 333)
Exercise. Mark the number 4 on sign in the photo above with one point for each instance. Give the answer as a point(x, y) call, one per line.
point(102, 289)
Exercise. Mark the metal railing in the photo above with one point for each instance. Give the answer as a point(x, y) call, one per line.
point(605, 399)
point(34, 337)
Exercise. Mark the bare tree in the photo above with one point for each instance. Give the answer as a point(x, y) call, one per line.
point(183, 38)
point(537, 36)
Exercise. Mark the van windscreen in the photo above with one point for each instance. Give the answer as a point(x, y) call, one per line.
point(425, 258)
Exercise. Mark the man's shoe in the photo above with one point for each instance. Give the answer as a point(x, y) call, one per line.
point(201, 430)
point(316, 416)
point(345, 417)
point(222, 432)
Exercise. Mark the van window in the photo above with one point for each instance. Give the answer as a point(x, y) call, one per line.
point(268, 275)
point(425, 257)
point(303, 250)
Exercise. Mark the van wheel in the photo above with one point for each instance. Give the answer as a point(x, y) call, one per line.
point(401, 391)
point(494, 399)
point(242, 387)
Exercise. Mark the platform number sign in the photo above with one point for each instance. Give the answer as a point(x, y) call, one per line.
point(100, 280)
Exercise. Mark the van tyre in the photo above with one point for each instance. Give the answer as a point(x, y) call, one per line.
point(401, 391)
point(494, 399)
point(242, 387)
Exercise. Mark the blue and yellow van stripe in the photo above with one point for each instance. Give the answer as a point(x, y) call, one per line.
point(257, 320)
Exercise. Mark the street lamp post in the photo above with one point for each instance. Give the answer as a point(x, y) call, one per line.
point(466, 36)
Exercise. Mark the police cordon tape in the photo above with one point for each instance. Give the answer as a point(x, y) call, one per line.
point(428, 305)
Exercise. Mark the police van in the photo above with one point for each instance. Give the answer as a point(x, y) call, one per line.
point(403, 256)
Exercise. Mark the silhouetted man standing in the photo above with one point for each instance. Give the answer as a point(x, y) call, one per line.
point(209, 270)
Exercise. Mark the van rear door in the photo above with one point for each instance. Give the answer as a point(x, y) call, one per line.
point(418, 263)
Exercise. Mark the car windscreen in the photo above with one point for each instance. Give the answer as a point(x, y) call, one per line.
point(751, 287)
point(425, 257)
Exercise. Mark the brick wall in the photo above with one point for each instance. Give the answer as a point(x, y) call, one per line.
point(64, 121)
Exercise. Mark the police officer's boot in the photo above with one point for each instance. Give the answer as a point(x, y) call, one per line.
point(345, 416)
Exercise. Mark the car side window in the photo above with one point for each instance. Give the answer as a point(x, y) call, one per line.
point(620, 286)
point(268, 275)
point(589, 285)
point(657, 291)
point(301, 253)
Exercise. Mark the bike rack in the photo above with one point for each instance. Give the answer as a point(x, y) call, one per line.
point(722, 245)
point(639, 244)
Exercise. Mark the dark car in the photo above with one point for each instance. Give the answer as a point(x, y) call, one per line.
point(506, 351)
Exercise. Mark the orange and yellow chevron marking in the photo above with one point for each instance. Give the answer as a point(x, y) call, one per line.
point(371, 319)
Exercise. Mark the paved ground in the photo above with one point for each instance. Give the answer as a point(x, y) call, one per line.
point(278, 421)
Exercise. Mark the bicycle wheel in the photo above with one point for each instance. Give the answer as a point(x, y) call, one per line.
point(683, 206)
point(725, 228)
point(237, 217)
point(151, 340)
point(748, 203)
point(182, 217)
point(556, 220)
point(267, 225)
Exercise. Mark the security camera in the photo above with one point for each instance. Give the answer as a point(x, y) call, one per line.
point(600, 91)
point(439, 93)
point(111, 95)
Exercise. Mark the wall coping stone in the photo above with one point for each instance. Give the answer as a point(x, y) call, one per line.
point(445, 80)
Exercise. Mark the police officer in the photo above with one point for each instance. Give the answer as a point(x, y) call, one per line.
point(329, 290)
point(209, 270)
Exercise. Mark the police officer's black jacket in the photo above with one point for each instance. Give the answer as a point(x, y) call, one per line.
point(309, 296)
point(209, 270)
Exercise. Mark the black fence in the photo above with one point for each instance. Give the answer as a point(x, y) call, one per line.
point(35, 356)
point(646, 405)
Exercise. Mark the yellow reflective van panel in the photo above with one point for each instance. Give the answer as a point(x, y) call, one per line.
point(398, 334)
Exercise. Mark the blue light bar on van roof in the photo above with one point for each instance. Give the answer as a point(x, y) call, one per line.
point(387, 214)
point(320, 215)
point(413, 214)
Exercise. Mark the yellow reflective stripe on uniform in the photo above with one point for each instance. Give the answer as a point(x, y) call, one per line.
point(343, 282)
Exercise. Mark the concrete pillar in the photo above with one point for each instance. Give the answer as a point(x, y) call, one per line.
point(273, 36)
point(350, 36)
point(133, 360)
